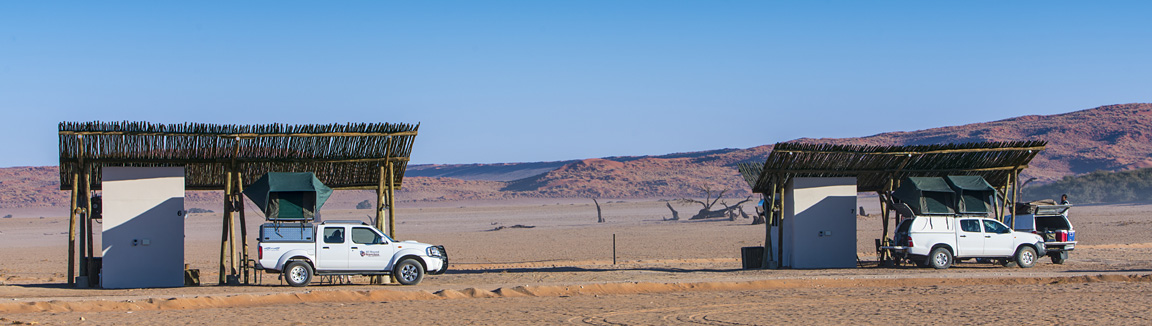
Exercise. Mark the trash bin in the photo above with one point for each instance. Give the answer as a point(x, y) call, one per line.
point(95, 267)
point(753, 257)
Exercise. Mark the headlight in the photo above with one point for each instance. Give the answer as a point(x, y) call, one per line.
point(434, 252)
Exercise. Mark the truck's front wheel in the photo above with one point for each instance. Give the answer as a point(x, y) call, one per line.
point(409, 272)
point(298, 273)
point(1025, 257)
point(940, 258)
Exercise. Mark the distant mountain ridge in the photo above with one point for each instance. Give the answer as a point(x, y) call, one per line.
point(1110, 138)
point(516, 171)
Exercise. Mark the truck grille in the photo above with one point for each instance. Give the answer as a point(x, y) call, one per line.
point(444, 255)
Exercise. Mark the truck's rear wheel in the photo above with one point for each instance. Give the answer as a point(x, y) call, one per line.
point(298, 273)
point(1059, 257)
point(409, 272)
point(940, 258)
point(1025, 257)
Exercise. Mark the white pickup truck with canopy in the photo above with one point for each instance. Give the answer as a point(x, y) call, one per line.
point(946, 220)
point(299, 249)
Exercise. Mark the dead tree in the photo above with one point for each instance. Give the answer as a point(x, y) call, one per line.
point(599, 216)
point(708, 202)
point(731, 211)
point(675, 214)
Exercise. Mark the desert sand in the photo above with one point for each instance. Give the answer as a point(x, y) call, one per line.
point(561, 271)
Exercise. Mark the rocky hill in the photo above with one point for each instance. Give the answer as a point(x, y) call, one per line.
point(1110, 138)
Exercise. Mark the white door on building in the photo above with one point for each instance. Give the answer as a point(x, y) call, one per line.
point(143, 234)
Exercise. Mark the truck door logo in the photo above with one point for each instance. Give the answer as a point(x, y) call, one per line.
point(369, 253)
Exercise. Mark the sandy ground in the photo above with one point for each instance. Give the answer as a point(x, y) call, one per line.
point(562, 271)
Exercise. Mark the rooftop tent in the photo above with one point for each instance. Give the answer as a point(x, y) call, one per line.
point(927, 195)
point(285, 196)
point(973, 193)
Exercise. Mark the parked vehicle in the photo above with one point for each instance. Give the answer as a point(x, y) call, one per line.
point(301, 250)
point(939, 241)
point(1049, 221)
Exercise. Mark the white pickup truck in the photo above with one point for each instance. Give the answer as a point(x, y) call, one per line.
point(938, 241)
point(301, 250)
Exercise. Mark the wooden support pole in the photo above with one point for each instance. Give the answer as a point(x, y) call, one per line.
point(72, 211)
point(1015, 196)
point(392, 201)
point(92, 277)
point(781, 185)
point(888, 189)
point(81, 175)
point(769, 219)
point(232, 227)
point(766, 208)
point(1003, 201)
point(381, 202)
point(884, 216)
point(224, 227)
point(80, 212)
point(392, 209)
point(243, 225)
point(1008, 208)
point(995, 204)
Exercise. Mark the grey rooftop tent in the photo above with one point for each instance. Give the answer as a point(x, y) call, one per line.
point(973, 194)
point(927, 195)
point(288, 196)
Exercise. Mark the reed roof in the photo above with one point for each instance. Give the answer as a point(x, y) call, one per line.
point(874, 166)
point(343, 156)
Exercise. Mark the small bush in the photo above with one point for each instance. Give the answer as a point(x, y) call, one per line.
point(364, 205)
point(1098, 187)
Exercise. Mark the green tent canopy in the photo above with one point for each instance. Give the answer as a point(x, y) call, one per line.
point(288, 196)
point(927, 195)
point(973, 193)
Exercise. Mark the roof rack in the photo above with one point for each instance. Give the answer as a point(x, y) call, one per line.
point(344, 222)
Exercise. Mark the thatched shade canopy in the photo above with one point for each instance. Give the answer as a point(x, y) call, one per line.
point(875, 166)
point(885, 169)
point(228, 158)
point(347, 156)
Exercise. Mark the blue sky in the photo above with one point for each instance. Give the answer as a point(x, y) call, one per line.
point(522, 81)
